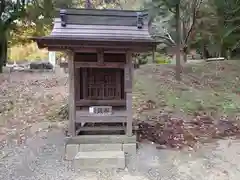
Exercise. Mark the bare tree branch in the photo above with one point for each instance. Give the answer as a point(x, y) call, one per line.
point(196, 5)
point(168, 39)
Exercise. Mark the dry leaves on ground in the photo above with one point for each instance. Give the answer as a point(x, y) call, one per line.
point(26, 98)
point(168, 132)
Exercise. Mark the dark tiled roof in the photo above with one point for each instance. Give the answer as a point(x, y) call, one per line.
point(99, 31)
point(107, 24)
point(100, 25)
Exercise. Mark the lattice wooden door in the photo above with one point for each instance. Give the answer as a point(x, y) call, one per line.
point(102, 84)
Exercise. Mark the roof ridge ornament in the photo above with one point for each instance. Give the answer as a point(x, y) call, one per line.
point(140, 20)
point(63, 17)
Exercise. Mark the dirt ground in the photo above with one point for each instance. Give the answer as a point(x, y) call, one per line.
point(207, 97)
point(40, 157)
point(27, 98)
point(204, 105)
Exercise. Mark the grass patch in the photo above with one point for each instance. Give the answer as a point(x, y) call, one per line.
point(208, 87)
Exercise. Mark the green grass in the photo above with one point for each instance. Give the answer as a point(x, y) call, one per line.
point(208, 87)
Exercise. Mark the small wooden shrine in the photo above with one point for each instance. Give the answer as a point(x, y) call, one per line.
point(100, 45)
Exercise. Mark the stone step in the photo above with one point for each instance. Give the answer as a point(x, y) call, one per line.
point(100, 147)
point(101, 139)
point(71, 150)
point(99, 160)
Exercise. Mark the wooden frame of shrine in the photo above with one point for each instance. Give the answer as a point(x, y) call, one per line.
point(100, 45)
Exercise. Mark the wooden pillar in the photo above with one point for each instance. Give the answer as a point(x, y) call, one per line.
point(128, 91)
point(77, 83)
point(84, 80)
point(71, 98)
point(153, 56)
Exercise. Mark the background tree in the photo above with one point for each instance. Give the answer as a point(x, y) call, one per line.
point(209, 26)
point(170, 10)
point(10, 11)
point(189, 18)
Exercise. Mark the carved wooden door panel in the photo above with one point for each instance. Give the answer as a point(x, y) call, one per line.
point(103, 84)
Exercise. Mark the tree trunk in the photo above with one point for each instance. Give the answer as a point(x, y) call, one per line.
point(185, 48)
point(203, 50)
point(5, 49)
point(1, 57)
point(2, 51)
point(223, 51)
point(178, 43)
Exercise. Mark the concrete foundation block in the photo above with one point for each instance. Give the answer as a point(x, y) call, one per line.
point(130, 149)
point(100, 147)
point(99, 160)
point(71, 151)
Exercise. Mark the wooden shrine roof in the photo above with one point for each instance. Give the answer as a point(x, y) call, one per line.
point(81, 26)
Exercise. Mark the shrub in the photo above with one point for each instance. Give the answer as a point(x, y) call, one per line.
point(161, 59)
point(143, 59)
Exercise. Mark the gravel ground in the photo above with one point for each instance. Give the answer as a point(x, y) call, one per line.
point(40, 158)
